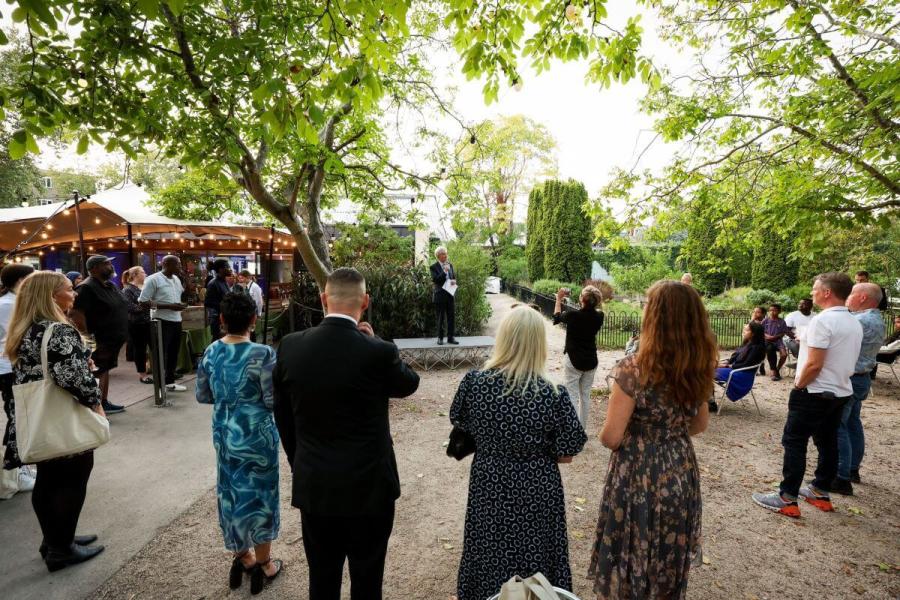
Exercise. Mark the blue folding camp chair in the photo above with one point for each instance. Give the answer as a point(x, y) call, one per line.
point(738, 386)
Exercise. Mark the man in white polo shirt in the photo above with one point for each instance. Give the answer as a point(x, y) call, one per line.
point(828, 352)
point(162, 292)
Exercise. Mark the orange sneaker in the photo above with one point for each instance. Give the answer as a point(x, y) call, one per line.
point(775, 502)
point(820, 500)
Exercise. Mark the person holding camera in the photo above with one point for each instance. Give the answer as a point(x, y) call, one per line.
point(580, 362)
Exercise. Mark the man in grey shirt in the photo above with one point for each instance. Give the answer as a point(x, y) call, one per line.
point(162, 293)
point(863, 303)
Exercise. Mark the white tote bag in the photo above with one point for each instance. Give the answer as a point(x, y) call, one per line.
point(50, 423)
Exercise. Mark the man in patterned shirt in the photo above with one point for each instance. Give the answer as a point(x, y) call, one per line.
point(775, 329)
point(863, 303)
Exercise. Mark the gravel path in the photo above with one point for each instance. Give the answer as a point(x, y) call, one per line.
point(750, 554)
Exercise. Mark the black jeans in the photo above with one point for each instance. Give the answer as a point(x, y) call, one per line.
point(6, 382)
point(215, 326)
point(817, 417)
point(139, 337)
point(361, 540)
point(773, 354)
point(171, 344)
point(58, 496)
point(445, 308)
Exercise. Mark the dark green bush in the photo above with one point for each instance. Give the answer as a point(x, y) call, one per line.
point(766, 297)
point(549, 287)
point(534, 251)
point(567, 231)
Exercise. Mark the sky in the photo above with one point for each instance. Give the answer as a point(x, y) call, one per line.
point(596, 129)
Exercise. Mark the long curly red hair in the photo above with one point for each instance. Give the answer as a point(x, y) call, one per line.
point(677, 351)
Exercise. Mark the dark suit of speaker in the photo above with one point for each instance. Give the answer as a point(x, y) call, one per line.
point(332, 385)
point(443, 300)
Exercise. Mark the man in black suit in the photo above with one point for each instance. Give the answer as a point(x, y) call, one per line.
point(332, 385)
point(441, 271)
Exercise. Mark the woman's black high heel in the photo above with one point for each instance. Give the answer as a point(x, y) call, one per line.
point(258, 577)
point(236, 574)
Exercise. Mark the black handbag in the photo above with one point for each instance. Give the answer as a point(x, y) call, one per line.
point(461, 444)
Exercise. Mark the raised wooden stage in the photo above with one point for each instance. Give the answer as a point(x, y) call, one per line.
point(425, 353)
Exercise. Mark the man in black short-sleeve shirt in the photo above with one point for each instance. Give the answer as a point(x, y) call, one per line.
point(101, 310)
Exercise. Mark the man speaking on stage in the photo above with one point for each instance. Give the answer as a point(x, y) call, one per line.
point(444, 278)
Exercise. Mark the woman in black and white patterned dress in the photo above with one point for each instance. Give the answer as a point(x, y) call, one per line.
point(61, 485)
point(523, 426)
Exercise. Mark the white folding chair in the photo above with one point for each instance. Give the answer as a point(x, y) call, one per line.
point(724, 387)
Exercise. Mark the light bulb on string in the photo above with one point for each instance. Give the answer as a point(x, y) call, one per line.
point(52, 248)
point(49, 225)
point(90, 248)
point(24, 231)
point(97, 220)
point(66, 212)
point(44, 235)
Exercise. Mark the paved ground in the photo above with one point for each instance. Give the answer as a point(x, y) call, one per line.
point(158, 463)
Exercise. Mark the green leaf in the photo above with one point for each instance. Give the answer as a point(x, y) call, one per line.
point(31, 143)
point(149, 7)
point(82, 144)
point(177, 6)
point(16, 145)
point(3, 38)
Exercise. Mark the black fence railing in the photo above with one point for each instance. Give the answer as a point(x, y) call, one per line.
point(728, 325)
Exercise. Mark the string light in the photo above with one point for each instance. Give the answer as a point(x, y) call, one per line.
point(66, 212)
point(24, 231)
point(40, 252)
point(97, 220)
point(176, 235)
point(44, 235)
point(52, 248)
point(49, 225)
point(110, 244)
point(90, 248)
point(139, 234)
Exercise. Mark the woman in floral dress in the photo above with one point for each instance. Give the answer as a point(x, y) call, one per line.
point(648, 532)
point(523, 426)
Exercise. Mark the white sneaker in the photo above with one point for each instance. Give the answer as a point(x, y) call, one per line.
point(26, 479)
point(176, 387)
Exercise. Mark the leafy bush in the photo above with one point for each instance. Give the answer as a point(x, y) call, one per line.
point(773, 266)
point(766, 297)
point(512, 264)
point(534, 251)
point(549, 287)
point(798, 292)
point(637, 280)
point(371, 245)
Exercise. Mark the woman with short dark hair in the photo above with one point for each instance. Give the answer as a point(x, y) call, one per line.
point(235, 375)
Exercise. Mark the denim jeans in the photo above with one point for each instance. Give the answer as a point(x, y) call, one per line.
point(851, 439)
point(810, 416)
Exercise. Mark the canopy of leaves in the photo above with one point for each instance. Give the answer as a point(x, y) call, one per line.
point(800, 118)
point(198, 197)
point(491, 166)
point(19, 179)
point(288, 98)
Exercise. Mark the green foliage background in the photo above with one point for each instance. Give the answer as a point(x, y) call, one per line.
point(567, 231)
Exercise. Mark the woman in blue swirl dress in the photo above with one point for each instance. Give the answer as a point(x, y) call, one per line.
point(235, 375)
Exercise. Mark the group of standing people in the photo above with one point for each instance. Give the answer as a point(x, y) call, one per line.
point(324, 395)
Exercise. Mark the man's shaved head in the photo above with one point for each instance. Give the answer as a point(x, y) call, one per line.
point(345, 289)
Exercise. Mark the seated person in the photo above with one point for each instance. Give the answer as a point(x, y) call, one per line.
point(891, 346)
point(752, 352)
point(758, 314)
point(775, 329)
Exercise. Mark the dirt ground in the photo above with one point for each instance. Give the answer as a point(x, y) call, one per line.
point(749, 553)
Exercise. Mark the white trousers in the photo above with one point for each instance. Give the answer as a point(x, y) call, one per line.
point(578, 383)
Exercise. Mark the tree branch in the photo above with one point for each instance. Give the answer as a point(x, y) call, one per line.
point(871, 34)
point(892, 186)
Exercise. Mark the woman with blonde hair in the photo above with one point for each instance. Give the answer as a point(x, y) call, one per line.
point(580, 362)
point(522, 426)
point(42, 301)
point(648, 531)
point(138, 321)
